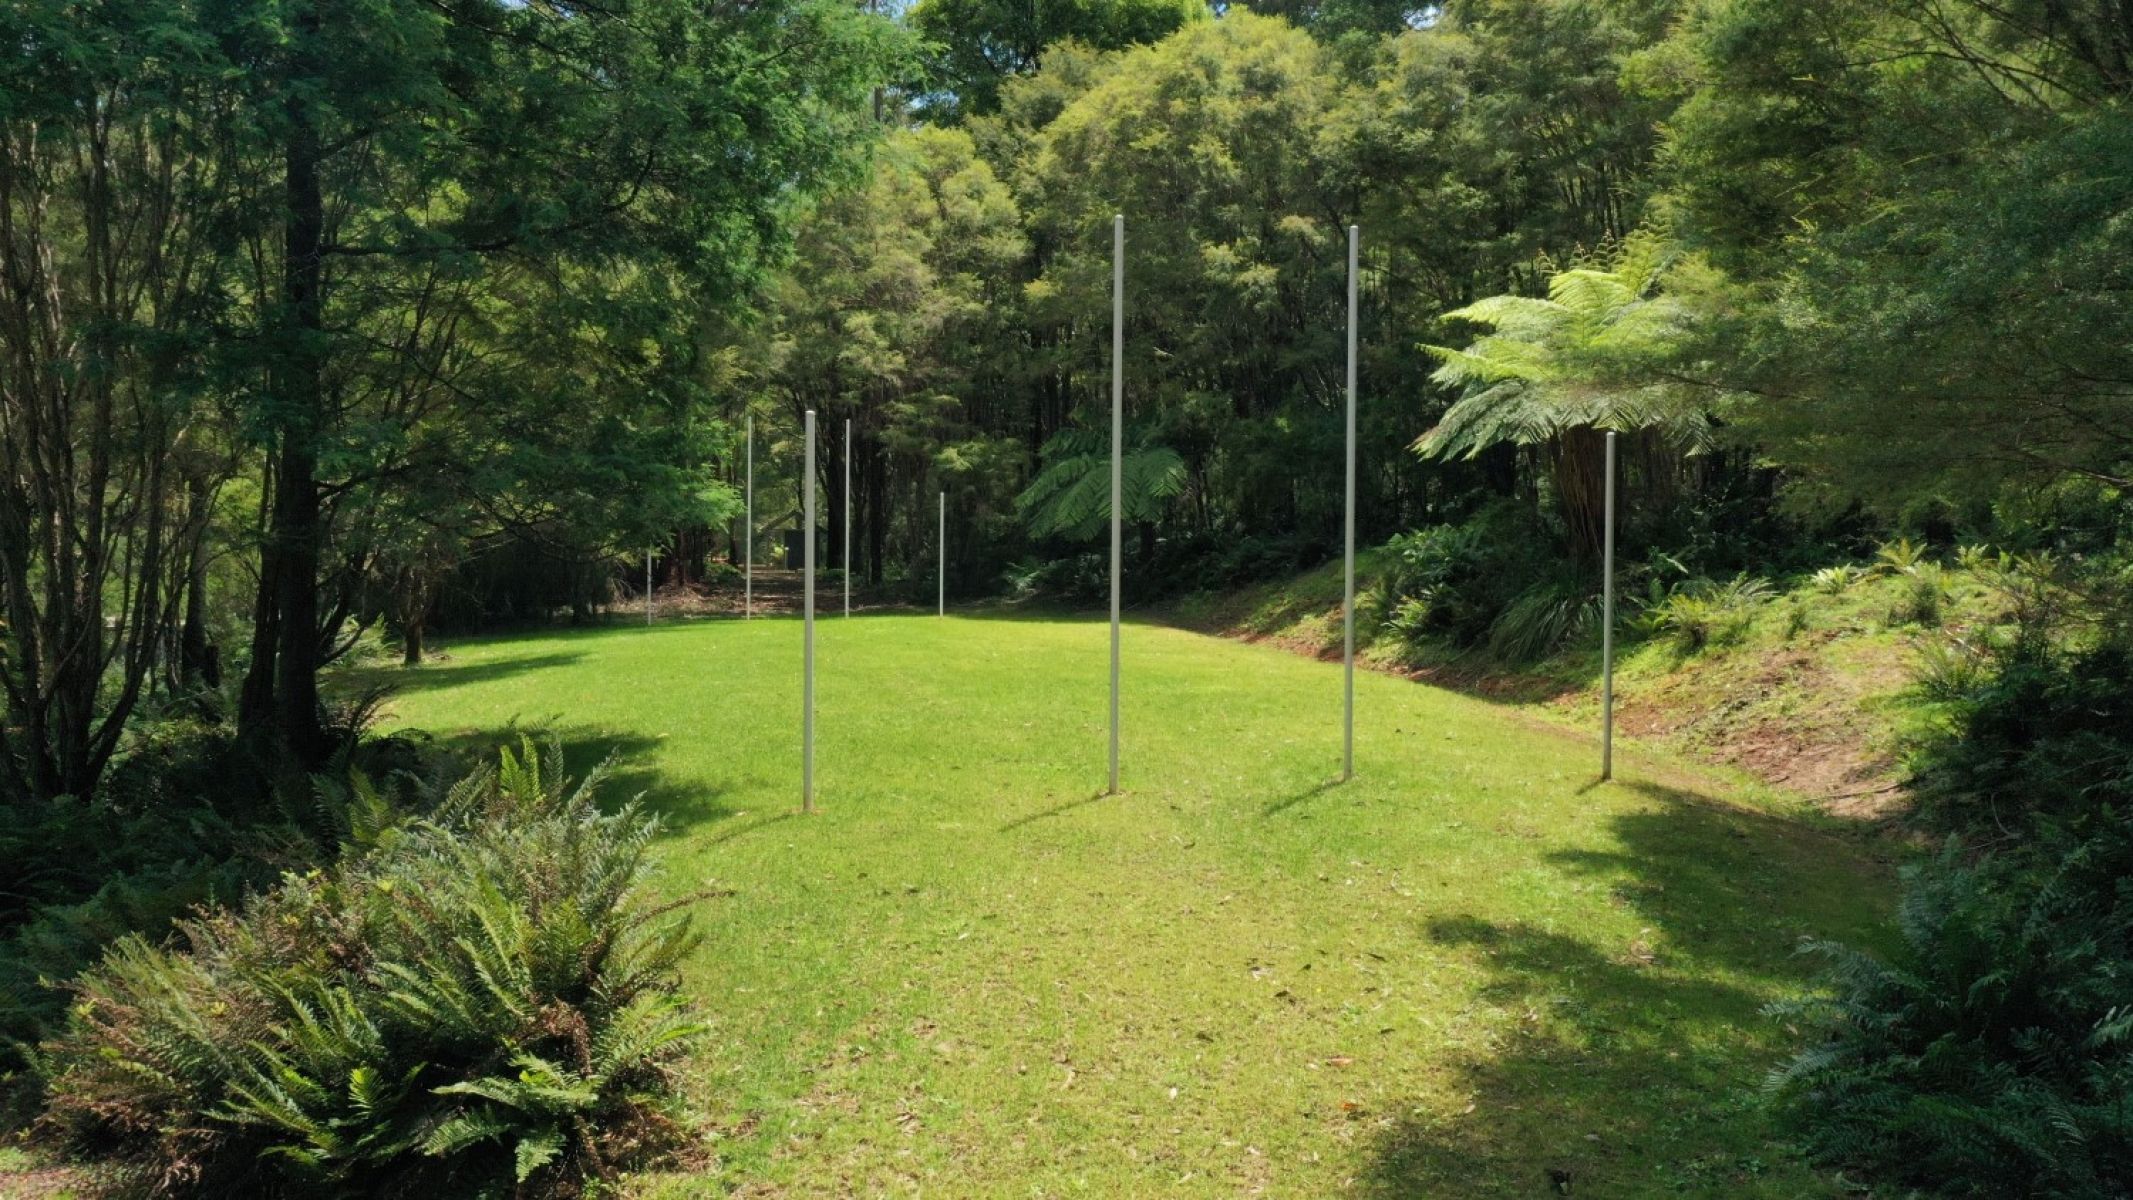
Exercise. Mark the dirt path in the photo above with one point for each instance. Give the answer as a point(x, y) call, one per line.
point(777, 592)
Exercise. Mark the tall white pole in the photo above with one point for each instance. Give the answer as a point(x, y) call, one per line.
point(1607, 625)
point(807, 687)
point(847, 516)
point(647, 586)
point(941, 601)
point(1118, 444)
point(748, 530)
point(1348, 585)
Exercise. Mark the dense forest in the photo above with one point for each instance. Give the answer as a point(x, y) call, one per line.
point(330, 322)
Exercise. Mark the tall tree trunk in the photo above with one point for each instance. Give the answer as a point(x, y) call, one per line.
point(1577, 464)
point(282, 691)
point(199, 663)
point(876, 473)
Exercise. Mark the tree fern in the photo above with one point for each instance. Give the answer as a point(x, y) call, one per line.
point(1071, 496)
point(1594, 355)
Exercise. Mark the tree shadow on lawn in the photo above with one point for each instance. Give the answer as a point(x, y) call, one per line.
point(629, 770)
point(1635, 1069)
point(446, 673)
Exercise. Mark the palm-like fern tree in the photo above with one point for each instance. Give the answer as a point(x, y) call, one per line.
point(1071, 496)
point(1557, 374)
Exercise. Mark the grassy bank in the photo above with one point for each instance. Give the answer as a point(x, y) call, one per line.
point(1813, 691)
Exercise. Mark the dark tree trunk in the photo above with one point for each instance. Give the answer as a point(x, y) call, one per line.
point(199, 661)
point(282, 691)
point(1577, 464)
point(876, 473)
point(416, 591)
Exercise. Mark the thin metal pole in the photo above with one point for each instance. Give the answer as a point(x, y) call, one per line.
point(1118, 443)
point(807, 687)
point(847, 516)
point(1348, 573)
point(942, 600)
point(647, 586)
point(1607, 625)
point(748, 530)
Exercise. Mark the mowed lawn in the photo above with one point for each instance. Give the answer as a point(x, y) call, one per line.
point(1471, 971)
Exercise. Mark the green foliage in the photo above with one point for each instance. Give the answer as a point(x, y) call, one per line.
point(1991, 1057)
point(1950, 670)
point(980, 44)
point(1900, 556)
point(1459, 581)
point(1071, 496)
point(1926, 589)
point(1608, 350)
point(1972, 334)
point(1704, 613)
point(182, 821)
point(1835, 580)
point(2050, 731)
point(477, 999)
point(1544, 618)
point(1587, 357)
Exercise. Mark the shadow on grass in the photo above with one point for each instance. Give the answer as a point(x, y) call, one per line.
point(1057, 810)
point(1634, 1069)
point(445, 673)
point(1276, 807)
point(627, 764)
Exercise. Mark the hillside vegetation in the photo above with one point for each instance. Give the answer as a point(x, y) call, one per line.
point(1819, 685)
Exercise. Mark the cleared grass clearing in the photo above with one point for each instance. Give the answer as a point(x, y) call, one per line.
point(1469, 972)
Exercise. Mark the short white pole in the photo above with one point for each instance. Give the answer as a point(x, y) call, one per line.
point(748, 531)
point(941, 600)
point(807, 687)
point(647, 587)
point(1607, 624)
point(1348, 586)
point(847, 516)
point(1118, 443)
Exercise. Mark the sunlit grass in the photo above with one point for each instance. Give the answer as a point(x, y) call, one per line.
point(968, 973)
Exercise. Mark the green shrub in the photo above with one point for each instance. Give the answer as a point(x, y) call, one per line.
point(1994, 1056)
point(720, 573)
point(1950, 670)
point(2046, 733)
point(1544, 618)
point(1703, 613)
point(1796, 618)
point(1926, 590)
point(1459, 582)
point(1834, 580)
point(1979, 558)
point(1899, 556)
point(476, 1002)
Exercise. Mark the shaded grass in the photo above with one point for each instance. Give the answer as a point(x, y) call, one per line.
point(1468, 972)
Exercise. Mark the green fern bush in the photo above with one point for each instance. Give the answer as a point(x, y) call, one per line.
point(1703, 613)
point(1900, 557)
point(474, 1003)
point(1994, 1057)
point(1544, 618)
point(1832, 581)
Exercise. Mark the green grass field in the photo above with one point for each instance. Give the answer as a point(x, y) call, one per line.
point(1469, 972)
